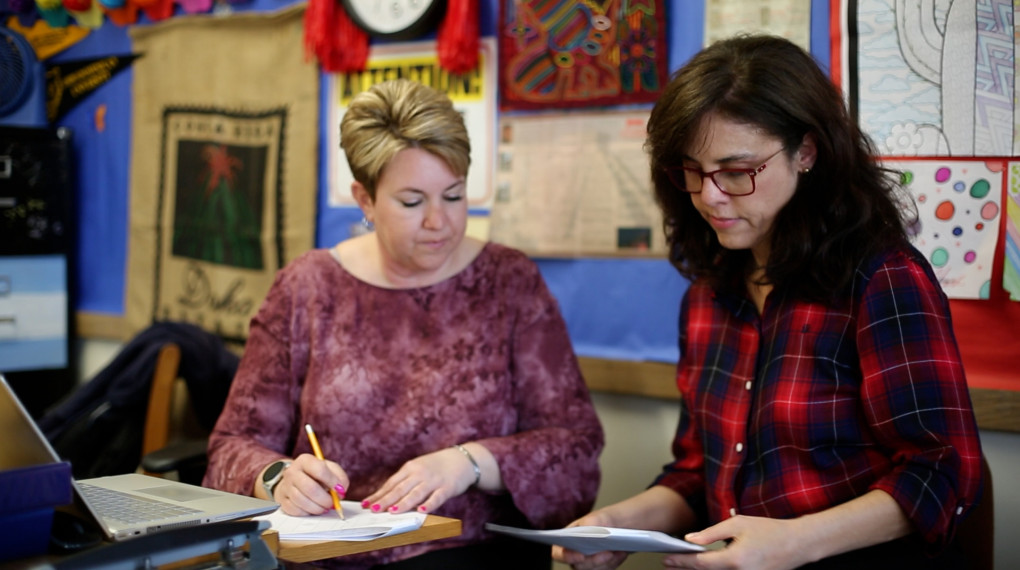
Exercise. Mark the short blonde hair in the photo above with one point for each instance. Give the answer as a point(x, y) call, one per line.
point(399, 114)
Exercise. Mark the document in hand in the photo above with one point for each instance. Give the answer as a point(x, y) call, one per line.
point(592, 539)
point(357, 524)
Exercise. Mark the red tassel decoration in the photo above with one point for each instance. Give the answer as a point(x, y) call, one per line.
point(457, 40)
point(350, 45)
point(318, 16)
point(333, 38)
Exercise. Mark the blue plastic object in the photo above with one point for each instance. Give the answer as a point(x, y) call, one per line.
point(28, 497)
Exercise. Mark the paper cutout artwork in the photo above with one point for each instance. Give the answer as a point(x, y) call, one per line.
point(958, 205)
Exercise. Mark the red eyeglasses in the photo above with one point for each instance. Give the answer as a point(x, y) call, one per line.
point(730, 181)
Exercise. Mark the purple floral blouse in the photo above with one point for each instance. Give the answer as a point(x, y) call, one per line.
point(386, 375)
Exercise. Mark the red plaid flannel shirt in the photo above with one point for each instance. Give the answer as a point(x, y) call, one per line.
point(810, 405)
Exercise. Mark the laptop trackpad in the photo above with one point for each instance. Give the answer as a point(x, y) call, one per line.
point(177, 493)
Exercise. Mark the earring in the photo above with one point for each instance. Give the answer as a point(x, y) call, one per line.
point(367, 224)
point(805, 170)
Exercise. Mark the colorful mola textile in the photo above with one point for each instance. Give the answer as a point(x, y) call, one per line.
point(581, 53)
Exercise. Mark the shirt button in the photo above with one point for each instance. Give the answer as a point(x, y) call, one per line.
point(733, 512)
point(747, 385)
point(740, 447)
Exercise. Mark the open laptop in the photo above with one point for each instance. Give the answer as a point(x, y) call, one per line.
point(123, 506)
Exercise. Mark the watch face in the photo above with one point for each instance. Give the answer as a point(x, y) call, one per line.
point(397, 19)
point(273, 470)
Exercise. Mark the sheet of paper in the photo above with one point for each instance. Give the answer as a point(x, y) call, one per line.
point(358, 524)
point(592, 539)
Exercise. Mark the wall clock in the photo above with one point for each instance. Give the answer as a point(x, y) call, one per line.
point(394, 19)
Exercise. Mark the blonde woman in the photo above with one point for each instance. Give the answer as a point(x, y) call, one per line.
point(435, 368)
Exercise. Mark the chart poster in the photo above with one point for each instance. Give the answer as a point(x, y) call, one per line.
point(576, 184)
point(472, 93)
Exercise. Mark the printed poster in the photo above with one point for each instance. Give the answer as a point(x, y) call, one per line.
point(473, 94)
point(790, 19)
point(576, 184)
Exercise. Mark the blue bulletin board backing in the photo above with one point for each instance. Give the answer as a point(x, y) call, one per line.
point(619, 308)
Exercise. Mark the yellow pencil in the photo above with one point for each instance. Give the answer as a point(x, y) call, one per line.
point(318, 453)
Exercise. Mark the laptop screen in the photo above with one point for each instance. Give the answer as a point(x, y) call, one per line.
point(24, 444)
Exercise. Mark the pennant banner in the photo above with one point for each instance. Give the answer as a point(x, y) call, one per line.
point(69, 82)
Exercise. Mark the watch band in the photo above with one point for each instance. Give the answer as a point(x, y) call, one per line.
point(269, 485)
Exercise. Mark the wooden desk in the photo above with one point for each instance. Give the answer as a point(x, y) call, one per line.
point(435, 527)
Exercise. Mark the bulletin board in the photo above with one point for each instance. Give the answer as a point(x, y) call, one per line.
point(988, 329)
point(937, 90)
point(636, 322)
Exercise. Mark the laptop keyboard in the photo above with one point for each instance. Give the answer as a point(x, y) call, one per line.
point(129, 508)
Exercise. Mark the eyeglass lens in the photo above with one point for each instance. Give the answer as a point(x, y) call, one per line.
point(735, 182)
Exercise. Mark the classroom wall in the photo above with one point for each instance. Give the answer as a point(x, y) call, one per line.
point(605, 317)
point(622, 325)
point(639, 429)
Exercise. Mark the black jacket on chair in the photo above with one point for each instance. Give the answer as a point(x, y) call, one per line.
point(99, 427)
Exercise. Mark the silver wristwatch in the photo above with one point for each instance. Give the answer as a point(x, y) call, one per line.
point(272, 476)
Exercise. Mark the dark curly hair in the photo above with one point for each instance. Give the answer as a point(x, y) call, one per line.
point(847, 208)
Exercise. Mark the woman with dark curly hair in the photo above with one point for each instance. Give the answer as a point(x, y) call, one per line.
point(825, 414)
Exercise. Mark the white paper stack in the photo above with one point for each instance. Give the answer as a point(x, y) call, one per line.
point(358, 524)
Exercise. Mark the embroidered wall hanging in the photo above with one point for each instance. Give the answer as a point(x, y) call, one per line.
point(223, 177)
point(581, 53)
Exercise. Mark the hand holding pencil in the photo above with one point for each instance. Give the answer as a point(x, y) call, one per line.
point(318, 453)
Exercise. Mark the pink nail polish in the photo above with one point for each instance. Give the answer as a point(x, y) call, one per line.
point(376, 507)
point(421, 508)
point(393, 509)
point(340, 490)
point(364, 504)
